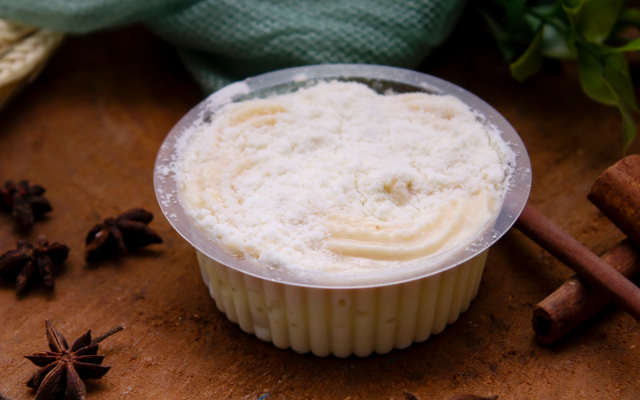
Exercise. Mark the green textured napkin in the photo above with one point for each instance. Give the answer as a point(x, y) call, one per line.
point(225, 40)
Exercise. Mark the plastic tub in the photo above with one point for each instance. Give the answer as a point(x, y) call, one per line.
point(342, 315)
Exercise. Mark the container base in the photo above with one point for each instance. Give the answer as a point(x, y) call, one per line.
point(343, 321)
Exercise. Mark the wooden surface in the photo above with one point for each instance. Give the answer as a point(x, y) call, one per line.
point(89, 129)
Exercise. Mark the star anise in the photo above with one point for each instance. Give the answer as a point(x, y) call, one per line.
point(64, 367)
point(25, 201)
point(127, 232)
point(30, 263)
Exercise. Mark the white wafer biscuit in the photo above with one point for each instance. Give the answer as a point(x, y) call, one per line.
point(11, 32)
point(27, 55)
point(24, 50)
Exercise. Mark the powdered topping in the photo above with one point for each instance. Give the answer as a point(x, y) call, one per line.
point(341, 179)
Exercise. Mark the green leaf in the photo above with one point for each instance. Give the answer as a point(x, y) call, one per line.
point(591, 80)
point(500, 34)
point(532, 22)
point(607, 80)
point(628, 125)
point(629, 15)
point(573, 9)
point(514, 10)
point(633, 45)
point(616, 73)
point(597, 19)
point(530, 62)
point(547, 10)
point(554, 43)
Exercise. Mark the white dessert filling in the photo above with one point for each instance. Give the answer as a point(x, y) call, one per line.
point(338, 178)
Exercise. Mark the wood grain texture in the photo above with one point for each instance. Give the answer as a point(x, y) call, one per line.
point(89, 130)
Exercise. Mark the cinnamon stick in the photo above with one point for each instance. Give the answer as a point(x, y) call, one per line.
point(577, 257)
point(576, 300)
point(617, 194)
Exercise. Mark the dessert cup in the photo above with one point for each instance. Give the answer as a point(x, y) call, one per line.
point(341, 314)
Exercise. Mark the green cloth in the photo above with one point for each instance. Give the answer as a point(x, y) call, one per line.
point(221, 41)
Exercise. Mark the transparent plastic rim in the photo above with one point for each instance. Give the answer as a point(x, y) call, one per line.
point(288, 80)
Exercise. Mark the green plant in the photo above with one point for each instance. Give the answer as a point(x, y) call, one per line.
point(584, 30)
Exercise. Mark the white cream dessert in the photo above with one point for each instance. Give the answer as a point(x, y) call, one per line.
point(340, 179)
point(351, 217)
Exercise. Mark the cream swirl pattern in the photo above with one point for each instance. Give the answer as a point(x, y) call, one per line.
point(339, 178)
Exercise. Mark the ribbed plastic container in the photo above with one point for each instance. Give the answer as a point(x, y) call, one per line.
point(326, 313)
point(343, 321)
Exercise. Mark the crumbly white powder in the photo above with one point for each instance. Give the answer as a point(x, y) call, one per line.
point(279, 179)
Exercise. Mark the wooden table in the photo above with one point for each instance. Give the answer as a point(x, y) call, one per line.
point(89, 130)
